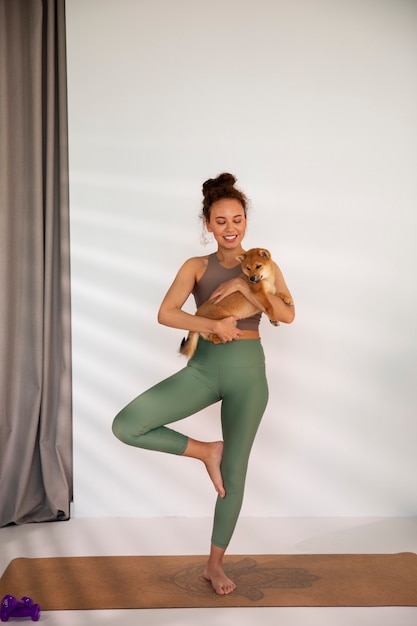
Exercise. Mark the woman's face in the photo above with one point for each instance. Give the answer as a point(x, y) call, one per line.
point(227, 222)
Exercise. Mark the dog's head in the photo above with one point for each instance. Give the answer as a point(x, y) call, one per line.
point(256, 264)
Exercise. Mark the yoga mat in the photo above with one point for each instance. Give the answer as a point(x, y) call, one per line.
point(133, 582)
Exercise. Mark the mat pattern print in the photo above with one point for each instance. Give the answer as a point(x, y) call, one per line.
point(132, 582)
point(250, 578)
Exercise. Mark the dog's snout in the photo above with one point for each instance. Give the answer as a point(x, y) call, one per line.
point(253, 279)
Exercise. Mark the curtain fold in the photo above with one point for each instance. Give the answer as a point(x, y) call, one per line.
point(35, 327)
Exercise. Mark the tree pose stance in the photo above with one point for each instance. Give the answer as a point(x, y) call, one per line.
point(232, 372)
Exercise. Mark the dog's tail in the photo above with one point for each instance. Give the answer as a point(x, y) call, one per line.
point(189, 344)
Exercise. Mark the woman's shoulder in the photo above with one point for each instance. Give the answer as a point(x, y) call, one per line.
point(197, 265)
point(197, 261)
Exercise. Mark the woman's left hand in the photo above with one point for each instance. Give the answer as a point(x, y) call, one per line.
point(227, 288)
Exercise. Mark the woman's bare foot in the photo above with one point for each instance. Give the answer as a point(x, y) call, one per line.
point(221, 584)
point(212, 464)
point(211, 454)
point(214, 572)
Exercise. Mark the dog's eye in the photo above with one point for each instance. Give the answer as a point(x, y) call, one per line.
point(248, 268)
point(258, 267)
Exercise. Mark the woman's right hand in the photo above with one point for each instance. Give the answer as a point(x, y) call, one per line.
point(226, 329)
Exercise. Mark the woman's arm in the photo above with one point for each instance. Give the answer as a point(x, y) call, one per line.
point(284, 312)
point(171, 313)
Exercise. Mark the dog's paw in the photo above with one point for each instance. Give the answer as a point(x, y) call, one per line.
point(286, 298)
point(214, 338)
point(274, 322)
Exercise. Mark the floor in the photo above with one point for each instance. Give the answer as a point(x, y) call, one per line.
point(124, 536)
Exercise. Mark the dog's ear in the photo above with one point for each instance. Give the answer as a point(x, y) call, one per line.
point(264, 253)
point(240, 258)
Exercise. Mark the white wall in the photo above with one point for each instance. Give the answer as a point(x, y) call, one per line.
point(311, 103)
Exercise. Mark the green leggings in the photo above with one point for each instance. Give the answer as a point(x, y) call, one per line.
point(233, 373)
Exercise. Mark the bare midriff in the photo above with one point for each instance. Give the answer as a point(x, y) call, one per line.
point(249, 334)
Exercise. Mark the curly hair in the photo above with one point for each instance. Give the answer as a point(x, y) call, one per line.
point(218, 188)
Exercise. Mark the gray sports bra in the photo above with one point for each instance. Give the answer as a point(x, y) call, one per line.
point(214, 275)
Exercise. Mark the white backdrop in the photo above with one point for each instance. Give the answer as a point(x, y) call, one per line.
point(311, 104)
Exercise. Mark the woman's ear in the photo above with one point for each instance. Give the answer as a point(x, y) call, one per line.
point(209, 230)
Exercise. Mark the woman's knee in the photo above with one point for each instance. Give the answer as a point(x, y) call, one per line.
point(128, 426)
point(121, 427)
point(117, 426)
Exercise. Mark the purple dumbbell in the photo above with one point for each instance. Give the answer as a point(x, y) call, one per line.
point(12, 607)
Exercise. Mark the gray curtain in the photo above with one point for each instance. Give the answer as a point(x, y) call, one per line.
point(35, 352)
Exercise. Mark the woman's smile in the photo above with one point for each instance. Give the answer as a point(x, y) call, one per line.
point(227, 221)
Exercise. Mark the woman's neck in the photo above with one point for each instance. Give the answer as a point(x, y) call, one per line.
point(227, 258)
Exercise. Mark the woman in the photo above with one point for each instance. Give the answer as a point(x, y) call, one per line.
point(232, 372)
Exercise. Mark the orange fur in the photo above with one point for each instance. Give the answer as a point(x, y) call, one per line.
point(258, 271)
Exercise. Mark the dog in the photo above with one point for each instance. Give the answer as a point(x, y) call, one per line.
point(258, 271)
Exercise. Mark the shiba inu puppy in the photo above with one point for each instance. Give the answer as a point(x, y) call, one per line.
point(258, 271)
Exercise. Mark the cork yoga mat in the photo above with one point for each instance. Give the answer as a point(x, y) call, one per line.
point(134, 582)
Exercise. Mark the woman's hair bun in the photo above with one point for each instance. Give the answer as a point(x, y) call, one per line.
point(223, 181)
point(215, 189)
